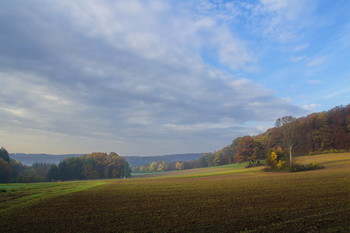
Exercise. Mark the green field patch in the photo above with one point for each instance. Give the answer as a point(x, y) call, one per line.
point(21, 195)
point(147, 174)
point(211, 171)
point(234, 165)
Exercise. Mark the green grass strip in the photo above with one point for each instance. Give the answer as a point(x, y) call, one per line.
point(22, 195)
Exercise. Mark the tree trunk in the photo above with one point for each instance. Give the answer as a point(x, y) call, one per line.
point(290, 155)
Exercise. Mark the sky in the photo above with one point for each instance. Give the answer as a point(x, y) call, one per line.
point(144, 77)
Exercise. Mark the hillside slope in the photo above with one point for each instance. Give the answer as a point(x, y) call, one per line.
point(317, 132)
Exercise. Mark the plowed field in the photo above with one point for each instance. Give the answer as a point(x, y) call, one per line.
point(220, 199)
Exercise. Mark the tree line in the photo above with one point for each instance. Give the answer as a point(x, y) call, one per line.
point(221, 157)
point(90, 166)
point(324, 132)
point(316, 133)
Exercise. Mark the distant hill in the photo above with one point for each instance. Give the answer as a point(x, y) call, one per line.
point(29, 159)
point(146, 160)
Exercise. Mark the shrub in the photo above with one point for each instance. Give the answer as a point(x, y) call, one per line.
point(308, 167)
point(275, 162)
point(254, 165)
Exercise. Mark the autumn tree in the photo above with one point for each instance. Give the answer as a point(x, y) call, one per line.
point(274, 162)
point(207, 160)
point(228, 153)
point(202, 161)
point(288, 126)
point(219, 158)
point(250, 150)
point(4, 154)
point(153, 167)
point(144, 169)
point(53, 174)
point(90, 166)
point(162, 166)
point(10, 169)
point(258, 153)
point(5, 171)
point(179, 165)
point(234, 144)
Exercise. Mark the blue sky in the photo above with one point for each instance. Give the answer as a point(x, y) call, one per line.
point(164, 77)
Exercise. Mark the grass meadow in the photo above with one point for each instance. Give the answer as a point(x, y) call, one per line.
point(228, 198)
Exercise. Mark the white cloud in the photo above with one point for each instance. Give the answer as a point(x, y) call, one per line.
point(301, 47)
point(338, 92)
point(288, 9)
point(158, 32)
point(297, 59)
point(277, 20)
point(311, 107)
point(17, 112)
point(283, 19)
point(131, 73)
point(317, 61)
point(231, 51)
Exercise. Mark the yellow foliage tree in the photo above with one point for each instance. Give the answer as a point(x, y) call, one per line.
point(153, 167)
point(274, 163)
point(179, 165)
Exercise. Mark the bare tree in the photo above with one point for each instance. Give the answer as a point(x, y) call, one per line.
point(289, 134)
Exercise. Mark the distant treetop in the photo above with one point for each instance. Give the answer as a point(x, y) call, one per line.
point(4, 154)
